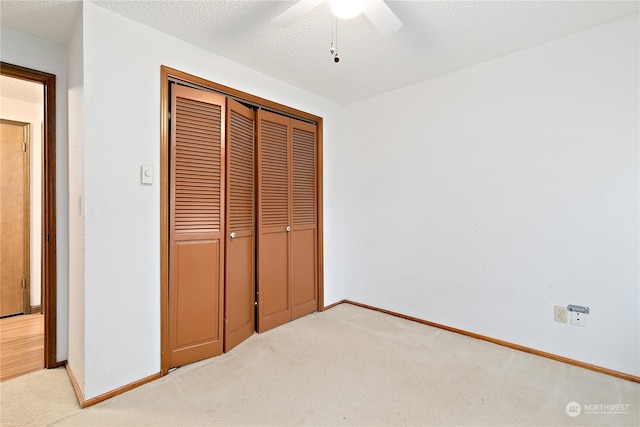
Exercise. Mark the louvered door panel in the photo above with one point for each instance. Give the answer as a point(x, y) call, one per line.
point(196, 250)
point(274, 210)
point(304, 174)
point(304, 271)
point(241, 167)
point(197, 167)
point(240, 258)
point(274, 173)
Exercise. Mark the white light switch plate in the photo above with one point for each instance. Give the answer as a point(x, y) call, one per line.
point(146, 174)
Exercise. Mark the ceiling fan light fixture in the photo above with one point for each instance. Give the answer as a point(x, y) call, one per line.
point(347, 9)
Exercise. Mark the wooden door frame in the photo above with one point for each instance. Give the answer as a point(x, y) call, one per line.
point(48, 239)
point(167, 75)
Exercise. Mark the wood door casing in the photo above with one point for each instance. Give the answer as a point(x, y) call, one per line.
point(196, 226)
point(49, 224)
point(14, 218)
point(239, 318)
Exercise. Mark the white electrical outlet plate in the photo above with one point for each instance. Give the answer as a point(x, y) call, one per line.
point(560, 314)
point(578, 319)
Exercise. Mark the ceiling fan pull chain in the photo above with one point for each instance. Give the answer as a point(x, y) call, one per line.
point(336, 58)
point(332, 49)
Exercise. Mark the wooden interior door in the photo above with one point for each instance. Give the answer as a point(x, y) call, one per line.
point(274, 206)
point(239, 318)
point(304, 244)
point(14, 218)
point(196, 247)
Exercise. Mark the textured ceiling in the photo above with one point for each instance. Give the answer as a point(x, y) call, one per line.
point(49, 19)
point(21, 90)
point(437, 36)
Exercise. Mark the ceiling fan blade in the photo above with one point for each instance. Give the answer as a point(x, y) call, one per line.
point(295, 12)
point(382, 17)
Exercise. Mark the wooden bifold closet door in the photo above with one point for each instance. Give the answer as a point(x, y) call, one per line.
point(243, 223)
point(239, 318)
point(287, 220)
point(304, 244)
point(196, 226)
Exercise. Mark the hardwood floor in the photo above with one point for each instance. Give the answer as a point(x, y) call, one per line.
point(21, 345)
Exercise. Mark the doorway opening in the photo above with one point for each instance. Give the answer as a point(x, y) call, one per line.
point(32, 253)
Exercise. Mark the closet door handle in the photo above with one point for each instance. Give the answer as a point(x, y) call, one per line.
point(232, 235)
point(288, 228)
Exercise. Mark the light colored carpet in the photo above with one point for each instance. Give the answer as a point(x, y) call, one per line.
point(345, 366)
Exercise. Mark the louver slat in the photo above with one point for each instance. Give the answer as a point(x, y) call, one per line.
point(304, 182)
point(197, 167)
point(275, 181)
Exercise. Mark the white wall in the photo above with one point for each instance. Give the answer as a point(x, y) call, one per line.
point(75, 82)
point(481, 198)
point(121, 108)
point(31, 52)
point(32, 113)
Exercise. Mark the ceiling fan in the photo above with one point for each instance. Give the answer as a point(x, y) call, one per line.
point(377, 11)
